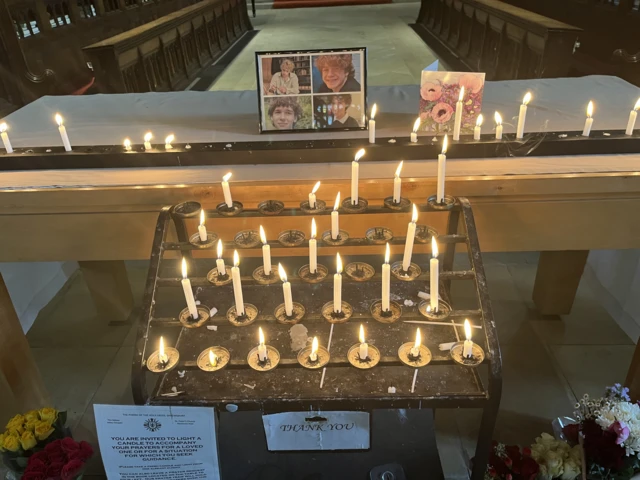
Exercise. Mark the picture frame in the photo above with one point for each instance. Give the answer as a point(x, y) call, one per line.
point(312, 90)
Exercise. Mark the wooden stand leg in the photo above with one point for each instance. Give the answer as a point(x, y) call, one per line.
point(110, 289)
point(557, 280)
point(17, 365)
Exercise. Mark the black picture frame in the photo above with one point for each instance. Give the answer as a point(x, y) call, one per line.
point(311, 109)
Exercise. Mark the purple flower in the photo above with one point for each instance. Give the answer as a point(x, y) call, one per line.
point(621, 430)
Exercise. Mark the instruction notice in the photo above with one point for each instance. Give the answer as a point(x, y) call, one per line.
point(157, 443)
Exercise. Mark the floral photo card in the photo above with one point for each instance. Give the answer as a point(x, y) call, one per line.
point(439, 92)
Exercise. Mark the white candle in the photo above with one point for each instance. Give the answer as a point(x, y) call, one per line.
point(262, 348)
point(335, 226)
point(477, 130)
point(127, 145)
point(386, 281)
point(188, 292)
point(523, 115)
point(442, 167)
point(355, 174)
point(226, 191)
point(147, 141)
point(411, 235)
point(63, 133)
point(168, 141)
point(237, 284)
point(222, 271)
point(372, 124)
point(415, 350)
point(312, 195)
point(467, 351)
point(314, 350)
point(498, 120)
point(457, 124)
point(631, 124)
point(589, 121)
point(266, 253)
point(414, 133)
point(286, 290)
point(397, 184)
point(5, 138)
point(434, 276)
point(202, 230)
point(313, 248)
point(364, 348)
point(337, 286)
point(162, 357)
point(213, 358)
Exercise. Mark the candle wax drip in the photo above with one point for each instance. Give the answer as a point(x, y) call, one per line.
point(413, 357)
point(266, 361)
point(387, 313)
point(313, 362)
point(379, 233)
point(271, 206)
point(339, 314)
point(367, 360)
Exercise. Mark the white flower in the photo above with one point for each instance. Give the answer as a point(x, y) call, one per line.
point(554, 463)
point(571, 470)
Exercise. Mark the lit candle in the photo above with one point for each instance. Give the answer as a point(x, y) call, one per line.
point(222, 270)
point(5, 138)
point(630, 124)
point(314, 350)
point(467, 351)
point(477, 130)
point(313, 248)
point(266, 253)
point(434, 265)
point(386, 281)
point(589, 121)
point(162, 357)
point(372, 124)
point(202, 230)
point(498, 120)
point(168, 141)
point(355, 173)
point(262, 348)
point(364, 348)
point(442, 167)
point(237, 284)
point(286, 290)
point(415, 351)
point(226, 190)
point(523, 115)
point(312, 195)
point(188, 292)
point(127, 145)
point(213, 358)
point(337, 286)
point(63, 133)
point(147, 141)
point(397, 184)
point(411, 235)
point(458, 118)
point(414, 133)
point(335, 226)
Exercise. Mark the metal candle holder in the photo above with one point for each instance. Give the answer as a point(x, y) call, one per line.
point(291, 238)
point(189, 322)
point(424, 233)
point(423, 358)
point(343, 236)
point(444, 310)
point(390, 316)
point(320, 207)
point(271, 362)
point(218, 280)
point(477, 355)
point(332, 316)
point(448, 202)
point(379, 235)
point(359, 271)
point(250, 315)
point(304, 358)
point(271, 207)
point(222, 359)
point(194, 240)
point(306, 276)
point(260, 277)
point(156, 366)
point(297, 313)
point(406, 276)
point(247, 239)
point(226, 211)
point(359, 208)
point(402, 206)
point(371, 361)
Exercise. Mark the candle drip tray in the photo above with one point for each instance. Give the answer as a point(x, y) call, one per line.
point(188, 321)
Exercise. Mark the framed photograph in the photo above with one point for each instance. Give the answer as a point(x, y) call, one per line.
point(312, 90)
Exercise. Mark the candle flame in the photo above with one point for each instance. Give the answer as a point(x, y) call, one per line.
point(169, 139)
point(58, 118)
point(590, 109)
point(213, 359)
point(263, 237)
point(527, 98)
point(418, 339)
point(184, 268)
point(313, 228)
point(637, 106)
point(283, 274)
point(434, 247)
point(467, 329)
point(416, 125)
point(219, 248)
point(497, 118)
point(387, 254)
point(337, 204)
point(127, 143)
point(374, 109)
point(414, 216)
point(260, 336)
point(236, 258)
point(461, 96)
point(361, 334)
point(479, 120)
point(338, 263)
point(399, 169)
point(314, 345)
point(202, 216)
point(359, 155)
point(3, 127)
point(226, 177)
point(161, 349)
point(315, 187)
point(148, 136)
point(445, 143)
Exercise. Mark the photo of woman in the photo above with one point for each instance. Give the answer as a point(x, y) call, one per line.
point(288, 113)
point(336, 73)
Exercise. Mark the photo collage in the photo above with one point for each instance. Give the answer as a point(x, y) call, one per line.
point(312, 90)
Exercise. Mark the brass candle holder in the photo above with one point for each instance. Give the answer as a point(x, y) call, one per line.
point(196, 242)
point(379, 235)
point(291, 238)
point(359, 271)
point(477, 355)
point(424, 233)
point(322, 357)
point(342, 238)
point(226, 211)
point(260, 277)
point(221, 357)
point(271, 207)
point(332, 316)
point(172, 356)
point(406, 276)
point(448, 203)
point(423, 358)
point(250, 315)
point(247, 239)
point(271, 362)
point(218, 280)
point(402, 206)
point(373, 357)
point(360, 207)
point(389, 316)
point(316, 277)
point(321, 205)
point(188, 321)
point(297, 313)
point(444, 310)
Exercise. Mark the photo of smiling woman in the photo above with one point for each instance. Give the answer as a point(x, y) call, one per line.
point(336, 73)
point(287, 113)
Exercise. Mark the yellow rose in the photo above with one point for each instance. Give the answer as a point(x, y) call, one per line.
point(43, 430)
point(31, 415)
point(30, 426)
point(11, 443)
point(2, 435)
point(15, 425)
point(48, 414)
point(27, 440)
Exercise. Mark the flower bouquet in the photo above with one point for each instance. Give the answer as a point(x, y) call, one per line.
point(508, 462)
point(60, 460)
point(556, 458)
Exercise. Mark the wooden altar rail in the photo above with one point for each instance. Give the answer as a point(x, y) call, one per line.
point(504, 41)
point(168, 53)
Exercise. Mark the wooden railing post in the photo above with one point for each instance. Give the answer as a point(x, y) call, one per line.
point(42, 16)
point(99, 4)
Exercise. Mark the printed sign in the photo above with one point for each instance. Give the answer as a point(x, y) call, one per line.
point(321, 431)
point(157, 443)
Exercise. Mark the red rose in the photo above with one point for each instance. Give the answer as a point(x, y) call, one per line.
point(86, 450)
point(55, 469)
point(36, 465)
point(57, 458)
point(33, 476)
point(571, 433)
point(529, 468)
point(41, 456)
point(526, 451)
point(69, 445)
point(53, 447)
point(71, 469)
point(508, 462)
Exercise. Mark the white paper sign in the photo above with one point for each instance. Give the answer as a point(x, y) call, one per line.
point(317, 431)
point(157, 443)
